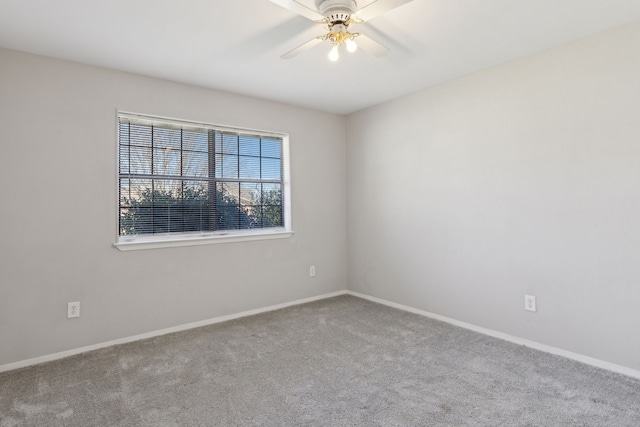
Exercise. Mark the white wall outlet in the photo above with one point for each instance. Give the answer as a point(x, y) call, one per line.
point(73, 309)
point(530, 303)
point(312, 271)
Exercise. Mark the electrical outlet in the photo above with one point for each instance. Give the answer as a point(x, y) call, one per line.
point(312, 271)
point(73, 309)
point(530, 303)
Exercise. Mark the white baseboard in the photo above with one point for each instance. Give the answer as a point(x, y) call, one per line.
point(73, 352)
point(517, 340)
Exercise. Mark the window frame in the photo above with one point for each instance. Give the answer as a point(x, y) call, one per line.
point(164, 240)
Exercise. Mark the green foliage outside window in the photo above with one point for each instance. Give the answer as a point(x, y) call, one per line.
point(165, 211)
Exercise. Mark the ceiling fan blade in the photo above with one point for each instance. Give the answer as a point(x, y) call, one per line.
point(378, 7)
point(370, 45)
point(300, 9)
point(308, 45)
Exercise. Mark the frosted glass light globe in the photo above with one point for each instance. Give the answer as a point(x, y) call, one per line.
point(351, 46)
point(333, 54)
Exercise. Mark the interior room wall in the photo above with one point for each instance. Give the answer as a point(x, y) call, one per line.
point(521, 179)
point(58, 212)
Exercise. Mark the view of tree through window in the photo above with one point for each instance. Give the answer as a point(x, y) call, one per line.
point(177, 178)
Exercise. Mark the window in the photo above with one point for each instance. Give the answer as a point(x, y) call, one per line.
point(181, 181)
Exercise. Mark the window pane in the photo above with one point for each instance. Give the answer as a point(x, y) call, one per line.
point(250, 193)
point(167, 206)
point(250, 145)
point(166, 138)
point(271, 168)
point(249, 167)
point(195, 141)
point(226, 166)
point(250, 217)
point(272, 194)
point(195, 200)
point(126, 224)
point(226, 143)
point(166, 161)
point(124, 159)
point(125, 195)
point(140, 160)
point(167, 192)
point(272, 216)
point(271, 148)
point(228, 194)
point(140, 135)
point(236, 218)
point(167, 218)
point(136, 220)
point(228, 218)
point(137, 217)
point(195, 163)
point(196, 217)
point(123, 132)
point(195, 190)
point(140, 192)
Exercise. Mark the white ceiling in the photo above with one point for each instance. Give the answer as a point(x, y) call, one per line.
point(235, 45)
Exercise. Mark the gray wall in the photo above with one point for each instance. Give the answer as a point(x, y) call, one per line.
point(522, 179)
point(58, 212)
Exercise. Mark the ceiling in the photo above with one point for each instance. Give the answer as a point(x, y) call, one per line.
point(235, 45)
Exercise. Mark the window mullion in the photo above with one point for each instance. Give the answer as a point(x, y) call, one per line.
point(182, 202)
point(153, 183)
point(213, 199)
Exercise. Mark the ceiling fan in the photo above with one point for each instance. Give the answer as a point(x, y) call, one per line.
point(337, 16)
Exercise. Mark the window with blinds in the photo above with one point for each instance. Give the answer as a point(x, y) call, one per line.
point(180, 178)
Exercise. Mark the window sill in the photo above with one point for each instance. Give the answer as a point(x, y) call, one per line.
point(156, 242)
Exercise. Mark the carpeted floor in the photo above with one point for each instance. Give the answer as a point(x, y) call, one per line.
point(338, 362)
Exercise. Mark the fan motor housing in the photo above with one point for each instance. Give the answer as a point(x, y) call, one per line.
point(337, 10)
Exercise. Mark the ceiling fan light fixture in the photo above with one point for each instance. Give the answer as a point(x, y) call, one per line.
point(334, 55)
point(337, 16)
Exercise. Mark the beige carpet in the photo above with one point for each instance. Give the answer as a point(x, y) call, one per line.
point(337, 362)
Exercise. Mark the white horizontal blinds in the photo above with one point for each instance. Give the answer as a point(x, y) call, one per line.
point(177, 178)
